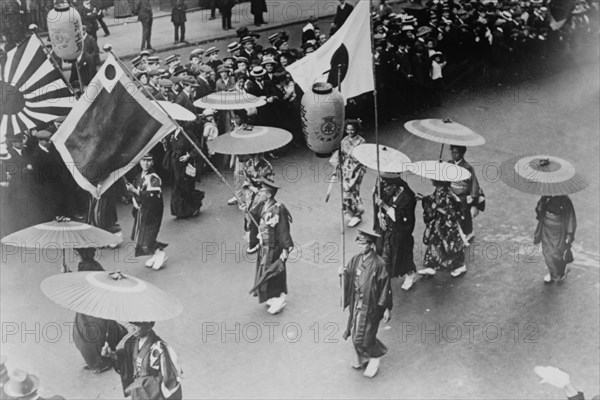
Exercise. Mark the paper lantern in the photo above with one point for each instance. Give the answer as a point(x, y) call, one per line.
point(65, 31)
point(322, 112)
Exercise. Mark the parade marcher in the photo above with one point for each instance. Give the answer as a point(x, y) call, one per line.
point(143, 9)
point(556, 231)
point(394, 220)
point(148, 208)
point(368, 294)
point(50, 173)
point(255, 169)
point(443, 235)
point(90, 333)
point(178, 18)
point(471, 196)
point(148, 366)
point(352, 172)
point(275, 244)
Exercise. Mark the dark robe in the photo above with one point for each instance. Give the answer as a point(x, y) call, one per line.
point(368, 292)
point(185, 199)
point(397, 242)
point(49, 169)
point(470, 195)
point(274, 228)
point(556, 220)
point(102, 212)
point(144, 371)
point(147, 220)
point(90, 333)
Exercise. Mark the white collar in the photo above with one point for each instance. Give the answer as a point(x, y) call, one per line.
point(43, 148)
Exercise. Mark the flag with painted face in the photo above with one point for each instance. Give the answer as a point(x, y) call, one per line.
point(33, 90)
point(345, 60)
point(111, 127)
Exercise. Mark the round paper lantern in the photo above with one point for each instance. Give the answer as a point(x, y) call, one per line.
point(322, 112)
point(65, 31)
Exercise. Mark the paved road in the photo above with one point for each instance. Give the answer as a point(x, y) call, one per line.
point(474, 337)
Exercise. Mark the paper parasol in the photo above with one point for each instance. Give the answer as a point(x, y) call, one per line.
point(231, 100)
point(391, 161)
point(63, 234)
point(111, 295)
point(444, 131)
point(250, 140)
point(176, 111)
point(439, 171)
point(542, 175)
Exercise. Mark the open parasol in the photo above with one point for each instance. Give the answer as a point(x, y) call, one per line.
point(250, 140)
point(391, 161)
point(444, 131)
point(439, 171)
point(229, 100)
point(542, 175)
point(61, 233)
point(176, 111)
point(111, 295)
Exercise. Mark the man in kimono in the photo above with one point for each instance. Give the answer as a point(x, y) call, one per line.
point(394, 219)
point(471, 196)
point(148, 366)
point(275, 244)
point(368, 293)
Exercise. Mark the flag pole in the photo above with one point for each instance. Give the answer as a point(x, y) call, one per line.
point(341, 172)
point(375, 105)
point(108, 48)
point(33, 28)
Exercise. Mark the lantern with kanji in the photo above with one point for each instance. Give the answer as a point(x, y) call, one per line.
point(323, 118)
point(65, 31)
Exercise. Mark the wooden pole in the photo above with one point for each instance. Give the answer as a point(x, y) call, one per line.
point(375, 105)
point(194, 145)
point(342, 223)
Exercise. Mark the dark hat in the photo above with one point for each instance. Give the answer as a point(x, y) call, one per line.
point(284, 35)
point(270, 51)
point(189, 80)
point(274, 37)
point(258, 71)
point(268, 184)
point(368, 235)
point(230, 57)
point(278, 43)
point(258, 48)
point(409, 20)
point(180, 69)
point(211, 51)
point(233, 47)
point(223, 68)
point(242, 31)
point(19, 137)
point(148, 156)
point(242, 59)
point(144, 53)
point(21, 384)
point(171, 58)
point(43, 134)
point(239, 74)
point(154, 59)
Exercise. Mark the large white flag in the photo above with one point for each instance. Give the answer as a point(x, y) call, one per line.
point(349, 47)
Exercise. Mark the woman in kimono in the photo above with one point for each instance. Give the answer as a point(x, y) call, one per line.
point(368, 293)
point(180, 158)
point(352, 173)
point(90, 333)
point(255, 169)
point(556, 231)
point(443, 236)
point(147, 213)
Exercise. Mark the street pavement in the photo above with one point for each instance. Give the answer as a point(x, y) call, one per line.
point(478, 336)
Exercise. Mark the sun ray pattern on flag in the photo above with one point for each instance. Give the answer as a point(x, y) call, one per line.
point(33, 91)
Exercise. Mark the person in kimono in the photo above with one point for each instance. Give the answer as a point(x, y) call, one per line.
point(556, 231)
point(368, 294)
point(90, 333)
point(352, 173)
point(275, 244)
point(148, 366)
point(394, 220)
point(472, 199)
point(255, 169)
point(147, 213)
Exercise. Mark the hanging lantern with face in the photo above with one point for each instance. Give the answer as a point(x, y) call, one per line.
point(65, 31)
